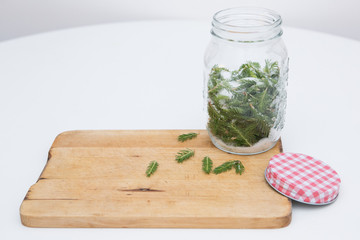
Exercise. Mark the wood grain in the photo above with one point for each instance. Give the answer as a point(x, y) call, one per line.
point(97, 179)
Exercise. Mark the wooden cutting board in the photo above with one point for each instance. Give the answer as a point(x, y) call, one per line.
point(97, 179)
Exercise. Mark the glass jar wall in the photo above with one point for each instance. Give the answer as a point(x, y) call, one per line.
point(246, 70)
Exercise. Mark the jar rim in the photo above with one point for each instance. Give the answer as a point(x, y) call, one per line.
point(246, 19)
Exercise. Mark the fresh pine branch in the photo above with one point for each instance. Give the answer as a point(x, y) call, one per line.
point(239, 167)
point(187, 136)
point(224, 167)
point(151, 168)
point(184, 155)
point(207, 165)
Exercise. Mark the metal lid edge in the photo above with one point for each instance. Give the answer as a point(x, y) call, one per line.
point(314, 204)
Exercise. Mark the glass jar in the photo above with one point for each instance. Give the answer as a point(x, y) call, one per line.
point(246, 71)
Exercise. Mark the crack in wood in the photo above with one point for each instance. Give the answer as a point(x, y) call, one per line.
point(49, 156)
point(281, 146)
point(142, 190)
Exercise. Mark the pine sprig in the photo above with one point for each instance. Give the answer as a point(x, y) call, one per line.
point(183, 155)
point(207, 165)
point(239, 167)
point(151, 168)
point(226, 166)
point(187, 136)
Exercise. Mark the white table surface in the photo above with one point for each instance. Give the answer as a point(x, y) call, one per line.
point(148, 75)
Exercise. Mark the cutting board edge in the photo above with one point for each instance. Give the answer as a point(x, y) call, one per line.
point(156, 222)
point(75, 131)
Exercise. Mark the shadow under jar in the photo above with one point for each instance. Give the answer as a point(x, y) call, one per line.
point(246, 71)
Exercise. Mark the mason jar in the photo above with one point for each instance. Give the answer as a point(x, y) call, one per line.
point(246, 71)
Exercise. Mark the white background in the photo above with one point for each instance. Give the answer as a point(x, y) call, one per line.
point(107, 77)
point(24, 17)
point(322, 117)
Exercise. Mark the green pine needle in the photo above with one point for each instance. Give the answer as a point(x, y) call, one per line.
point(183, 155)
point(187, 136)
point(226, 166)
point(239, 167)
point(207, 165)
point(151, 168)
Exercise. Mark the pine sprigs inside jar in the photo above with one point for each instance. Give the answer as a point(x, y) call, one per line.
point(242, 106)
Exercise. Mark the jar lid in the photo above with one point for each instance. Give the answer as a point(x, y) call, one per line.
point(303, 178)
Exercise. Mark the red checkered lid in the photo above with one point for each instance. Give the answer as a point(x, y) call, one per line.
point(303, 178)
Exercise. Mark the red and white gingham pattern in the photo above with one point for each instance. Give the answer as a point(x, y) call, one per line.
point(303, 178)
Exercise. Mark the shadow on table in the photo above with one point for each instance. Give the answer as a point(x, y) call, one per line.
point(303, 206)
